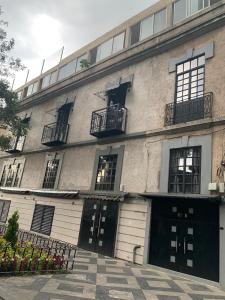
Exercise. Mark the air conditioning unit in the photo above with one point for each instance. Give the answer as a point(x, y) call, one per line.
point(213, 186)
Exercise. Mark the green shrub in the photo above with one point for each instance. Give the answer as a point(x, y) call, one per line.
point(12, 229)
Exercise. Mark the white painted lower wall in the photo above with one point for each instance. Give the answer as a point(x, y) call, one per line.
point(131, 229)
point(67, 215)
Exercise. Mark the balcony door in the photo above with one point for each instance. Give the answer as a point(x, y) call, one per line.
point(62, 120)
point(189, 92)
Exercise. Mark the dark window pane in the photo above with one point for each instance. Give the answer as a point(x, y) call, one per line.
point(135, 33)
point(185, 170)
point(50, 174)
point(106, 172)
point(42, 219)
point(4, 210)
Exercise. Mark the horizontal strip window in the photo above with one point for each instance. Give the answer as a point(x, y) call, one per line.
point(42, 219)
point(109, 47)
point(185, 8)
point(72, 67)
point(19, 95)
point(4, 210)
point(49, 79)
point(149, 26)
point(31, 89)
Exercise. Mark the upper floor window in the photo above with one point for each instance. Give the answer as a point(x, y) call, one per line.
point(185, 8)
point(185, 170)
point(106, 172)
point(50, 174)
point(49, 79)
point(32, 89)
point(190, 79)
point(12, 173)
point(19, 95)
point(4, 210)
point(17, 141)
point(149, 26)
point(110, 47)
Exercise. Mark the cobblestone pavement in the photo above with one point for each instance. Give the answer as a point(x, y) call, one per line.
point(101, 278)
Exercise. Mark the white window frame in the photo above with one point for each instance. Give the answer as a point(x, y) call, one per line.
point(188, 10)
point(9, 163)
point(112, 53)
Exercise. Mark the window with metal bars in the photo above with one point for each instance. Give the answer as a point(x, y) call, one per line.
point(106, 172)
point(190, 79)
point(50, 174)
point(12, 173)
point(4, 210)
point(42, 219)
point(2, 181)
point(185, 170)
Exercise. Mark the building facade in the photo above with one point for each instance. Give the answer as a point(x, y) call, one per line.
point(125, 150)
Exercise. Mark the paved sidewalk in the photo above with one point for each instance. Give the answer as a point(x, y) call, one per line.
point(100, 278)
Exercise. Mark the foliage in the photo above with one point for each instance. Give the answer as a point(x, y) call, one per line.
point(84, 63)
point(27, 258)
point(8, 64)
point(10, 124)
point(12, 229)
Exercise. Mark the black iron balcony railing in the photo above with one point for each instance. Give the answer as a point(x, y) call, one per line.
point(194, 109)
point(17, 143)
point(108, 121)
point(54, 134)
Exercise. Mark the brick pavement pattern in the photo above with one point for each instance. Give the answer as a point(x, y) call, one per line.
point(102, 278)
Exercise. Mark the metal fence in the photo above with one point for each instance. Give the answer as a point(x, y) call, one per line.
point(35, 253)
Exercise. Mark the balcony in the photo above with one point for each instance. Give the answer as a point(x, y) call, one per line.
point(186, 111)
point(16, 144)
point(54, 134)
point(108, 121)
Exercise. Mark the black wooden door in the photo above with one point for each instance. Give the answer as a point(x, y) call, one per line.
point(185, 237)
point(98, 226)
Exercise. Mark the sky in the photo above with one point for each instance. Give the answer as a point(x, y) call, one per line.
point(42, 27)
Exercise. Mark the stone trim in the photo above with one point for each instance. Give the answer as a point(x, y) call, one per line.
point(187, 141)
point(109, 151)
point(207, 49)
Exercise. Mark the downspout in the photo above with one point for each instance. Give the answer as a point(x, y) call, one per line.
point(134, 252)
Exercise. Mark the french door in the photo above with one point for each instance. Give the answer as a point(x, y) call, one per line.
point(98, 226)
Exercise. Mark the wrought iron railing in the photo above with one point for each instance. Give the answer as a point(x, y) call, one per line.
point(40, 255)
point(194, 109)
point(54, 134)
point(108, 121)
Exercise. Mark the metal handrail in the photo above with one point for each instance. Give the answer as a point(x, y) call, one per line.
point(190, 110)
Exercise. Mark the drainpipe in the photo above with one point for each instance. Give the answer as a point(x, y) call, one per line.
point(134, 252)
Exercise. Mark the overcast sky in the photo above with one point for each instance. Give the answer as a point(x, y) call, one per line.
point(42, 27)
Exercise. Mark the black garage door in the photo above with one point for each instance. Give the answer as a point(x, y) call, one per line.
point(185, 236)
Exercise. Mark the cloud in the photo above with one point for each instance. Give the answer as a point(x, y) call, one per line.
point(42, 27)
